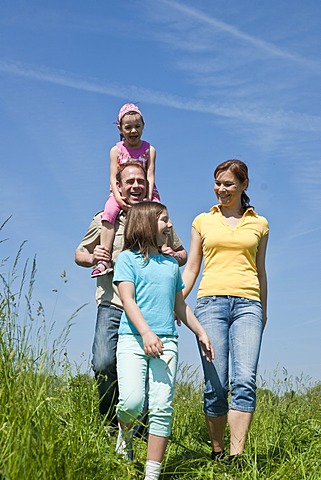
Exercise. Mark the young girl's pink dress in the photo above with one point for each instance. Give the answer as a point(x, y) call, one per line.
point(125, 155)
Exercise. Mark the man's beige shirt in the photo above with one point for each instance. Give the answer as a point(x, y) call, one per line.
point(107, 292)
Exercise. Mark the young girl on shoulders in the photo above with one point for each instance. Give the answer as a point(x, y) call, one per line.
point(150, 287)
point(131, 125)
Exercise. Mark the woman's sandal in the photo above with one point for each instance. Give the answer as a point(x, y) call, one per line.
point(218, 455)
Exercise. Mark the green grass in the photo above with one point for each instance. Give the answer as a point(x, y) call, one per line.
point(50, 427)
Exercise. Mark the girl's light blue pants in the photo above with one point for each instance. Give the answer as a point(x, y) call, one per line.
point(133, 365)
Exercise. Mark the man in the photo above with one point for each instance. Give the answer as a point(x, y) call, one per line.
point(132, 183)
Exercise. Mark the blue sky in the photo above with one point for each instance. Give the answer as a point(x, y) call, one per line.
point(215, 80)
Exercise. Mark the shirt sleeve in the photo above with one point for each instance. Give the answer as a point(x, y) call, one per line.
point(197, 223)
point(124, 269)
point(265, 227)
point(180, 285)
point(173, 240)
point(93, 232)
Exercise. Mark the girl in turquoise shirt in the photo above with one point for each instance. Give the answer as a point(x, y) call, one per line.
point(150, 286)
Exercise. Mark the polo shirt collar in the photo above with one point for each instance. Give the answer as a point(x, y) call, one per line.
point(249, 210)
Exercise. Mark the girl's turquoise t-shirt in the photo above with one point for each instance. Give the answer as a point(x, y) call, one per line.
point(156, 283)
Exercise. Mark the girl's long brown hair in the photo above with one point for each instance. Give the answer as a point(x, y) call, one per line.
point(141, 227)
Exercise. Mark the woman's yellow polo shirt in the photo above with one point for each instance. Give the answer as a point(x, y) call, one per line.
point(230, 253)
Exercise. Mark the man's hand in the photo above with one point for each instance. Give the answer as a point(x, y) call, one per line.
point(100, 254)
point(180, 254)
point(166, 250)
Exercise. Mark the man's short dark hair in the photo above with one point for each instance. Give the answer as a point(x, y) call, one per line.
point(132, 163)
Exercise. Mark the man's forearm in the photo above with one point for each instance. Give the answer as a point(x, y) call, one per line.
point(87, 258)
point(83, 258)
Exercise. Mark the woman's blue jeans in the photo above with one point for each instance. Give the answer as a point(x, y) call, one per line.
point(235, 327)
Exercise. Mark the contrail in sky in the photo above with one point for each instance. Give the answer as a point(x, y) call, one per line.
point(268, 47)
point(279, 119)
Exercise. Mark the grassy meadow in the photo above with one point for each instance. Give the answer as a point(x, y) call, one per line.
point(50, 427)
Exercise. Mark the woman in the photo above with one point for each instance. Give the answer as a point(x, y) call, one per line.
point(231, 303)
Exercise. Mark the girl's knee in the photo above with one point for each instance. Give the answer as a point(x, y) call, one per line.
point(130, 409)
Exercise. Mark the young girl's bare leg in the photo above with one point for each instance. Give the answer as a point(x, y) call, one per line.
point(156, 447)
point(107, 236)
point(155, 453)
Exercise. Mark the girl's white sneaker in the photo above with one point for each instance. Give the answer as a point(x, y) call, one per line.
point(124, 444)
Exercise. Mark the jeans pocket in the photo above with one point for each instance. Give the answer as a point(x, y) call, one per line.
point(203, 301)
point(253, 307)
point(202, 305)
point(250, 301)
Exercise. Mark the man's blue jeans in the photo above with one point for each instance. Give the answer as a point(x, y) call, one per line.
point(104, 359)
point(104, 365)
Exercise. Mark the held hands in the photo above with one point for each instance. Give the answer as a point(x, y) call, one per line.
point(206, 345)
point(152, 344)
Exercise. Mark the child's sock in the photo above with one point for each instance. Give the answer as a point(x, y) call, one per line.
point(124, 444)
point(153, 470)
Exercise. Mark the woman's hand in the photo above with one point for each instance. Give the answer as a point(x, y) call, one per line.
point(153, 346)
point(206, 345)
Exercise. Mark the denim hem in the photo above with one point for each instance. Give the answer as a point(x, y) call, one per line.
point(159, 433)
point(214, 415)
point(242, 409)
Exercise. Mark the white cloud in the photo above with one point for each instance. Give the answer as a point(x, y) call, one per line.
point(234, 32)
point(246, 113)
point(303, 233)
